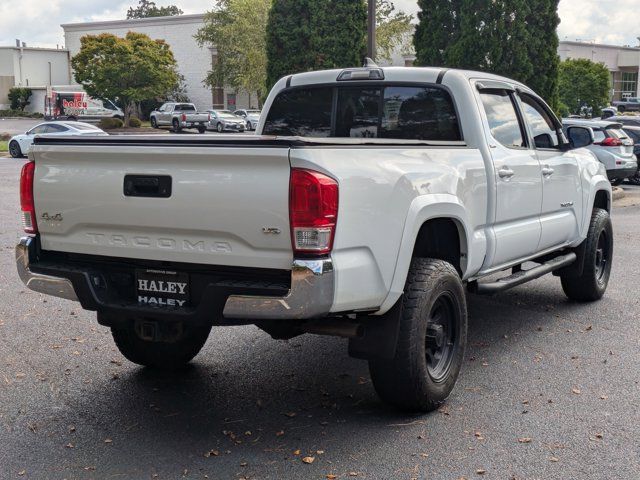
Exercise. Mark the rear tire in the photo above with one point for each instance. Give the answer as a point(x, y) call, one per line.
point(154, 122)
point(622, 109)
point(592, 284)
point(635, 180)
point(219, 128)
point(160, 354)
point(616, 182)
point(431, 341)
point(14, 150)
point(202, 129)
point(176, 126)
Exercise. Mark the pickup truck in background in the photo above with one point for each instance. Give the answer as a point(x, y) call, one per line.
point(367, 205)
point(179, 116)
point(630, 104)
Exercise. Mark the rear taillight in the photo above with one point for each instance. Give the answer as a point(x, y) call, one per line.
point(610, 142)
point(313, 211)
point(184, 117)
point(26, 198)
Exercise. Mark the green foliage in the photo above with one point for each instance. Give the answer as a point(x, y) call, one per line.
point(304, 35)
point(19, 97)
point(514, 38)
point(583, 82)
point(111, 123)
point(131, 69)
point(393, 30)
point(19, 113)
point(135, 122)
point(237, 28)
point(147, 9)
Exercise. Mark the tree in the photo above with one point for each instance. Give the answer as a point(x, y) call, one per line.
point(393, 29)
point(19, 97)
point(130, 69)
point(305, 35)
point(147, 9)
point(584, 83)
point(514, 38)
point(437, 30)
point(237, 29)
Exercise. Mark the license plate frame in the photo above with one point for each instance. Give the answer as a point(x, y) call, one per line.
point(166, 289)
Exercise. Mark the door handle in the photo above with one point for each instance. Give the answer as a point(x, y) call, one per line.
point(506, 173)
point(547, 171)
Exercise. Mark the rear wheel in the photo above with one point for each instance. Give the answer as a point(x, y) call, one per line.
point(219, 128)
point(622, 109)
point(14, 150)
point(635, 180)
point(72, 119)
point(598, 254)
point(176, 125)
point(431, 341)
point(248, 126)
point(172, 350)
point(202, 129)
point(154, 122)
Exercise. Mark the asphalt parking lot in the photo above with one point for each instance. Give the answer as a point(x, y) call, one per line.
point(549, 390)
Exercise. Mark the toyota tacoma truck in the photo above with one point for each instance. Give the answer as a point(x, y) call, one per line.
point(368, 204)
point(179, 116)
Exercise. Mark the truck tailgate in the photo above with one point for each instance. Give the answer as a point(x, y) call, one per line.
point(228, 205)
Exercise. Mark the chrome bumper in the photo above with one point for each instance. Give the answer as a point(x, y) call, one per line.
point(55, 286)
point(311, 296)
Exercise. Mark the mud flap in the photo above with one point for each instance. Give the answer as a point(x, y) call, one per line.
point(380, 338)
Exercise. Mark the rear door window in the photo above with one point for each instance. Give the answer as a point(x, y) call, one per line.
point(542, 126)
point(503, 119)
point(301, 112)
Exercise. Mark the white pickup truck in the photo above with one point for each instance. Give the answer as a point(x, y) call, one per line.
point(179, 116)
point(367, 205)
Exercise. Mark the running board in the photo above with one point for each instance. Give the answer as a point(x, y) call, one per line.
point(523, 276)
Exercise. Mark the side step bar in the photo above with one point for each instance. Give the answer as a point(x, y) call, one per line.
point(523, 276)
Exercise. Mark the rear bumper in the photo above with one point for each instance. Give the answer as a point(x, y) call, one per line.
point(622, 173)
point(310, 293)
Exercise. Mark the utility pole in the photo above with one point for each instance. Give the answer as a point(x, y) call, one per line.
point(371, 30)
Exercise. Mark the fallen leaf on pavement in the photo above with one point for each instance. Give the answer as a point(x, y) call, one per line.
point(309, 459)
point(331, 477)
point(524, 440)
point(481, 471)
point(576, 391)
point(554, 459)
point(296, 452)
point(108, 440)
point(280, 433)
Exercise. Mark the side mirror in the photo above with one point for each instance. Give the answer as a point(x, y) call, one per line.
point(580, 137)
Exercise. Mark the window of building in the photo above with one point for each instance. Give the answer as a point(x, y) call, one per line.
point(629, 86)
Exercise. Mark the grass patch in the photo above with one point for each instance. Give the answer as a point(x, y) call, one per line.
point(4, 146)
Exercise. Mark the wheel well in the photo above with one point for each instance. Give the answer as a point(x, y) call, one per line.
point(602, 201)
point(439, 238)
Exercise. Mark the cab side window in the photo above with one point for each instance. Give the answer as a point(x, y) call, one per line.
point(503, 119)
point(540, 122)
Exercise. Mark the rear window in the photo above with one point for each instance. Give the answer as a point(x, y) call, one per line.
point(393, 112)
point(185, 108)
point(301, 113)
point(82, 126)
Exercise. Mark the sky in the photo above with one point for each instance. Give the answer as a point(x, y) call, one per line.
point(37, 22)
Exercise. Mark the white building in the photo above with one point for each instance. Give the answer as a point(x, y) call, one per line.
point(35, 68)
point(194, 62)
point(622, 62)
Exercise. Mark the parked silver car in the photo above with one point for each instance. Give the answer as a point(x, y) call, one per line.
point(611, 145)
point(224, 121)
point(251, 117)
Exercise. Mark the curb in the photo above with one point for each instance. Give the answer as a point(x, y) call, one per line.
point(618, 193)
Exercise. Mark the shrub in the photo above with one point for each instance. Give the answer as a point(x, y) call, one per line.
point(134, 122)
point(19, 97)
point(4, 137)
point(19, 113)
point(110, 123)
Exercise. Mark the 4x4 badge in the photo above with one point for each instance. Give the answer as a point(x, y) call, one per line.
point(55, 218)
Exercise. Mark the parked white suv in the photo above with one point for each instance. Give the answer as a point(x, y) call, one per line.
point(609, 143)
point(366, 206)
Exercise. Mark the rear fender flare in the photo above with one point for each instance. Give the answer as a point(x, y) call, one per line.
point(423, 209)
